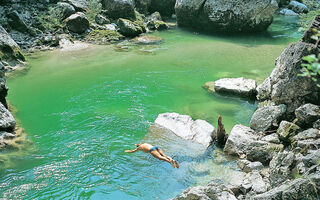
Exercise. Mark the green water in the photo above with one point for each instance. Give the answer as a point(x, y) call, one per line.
point(82, 109)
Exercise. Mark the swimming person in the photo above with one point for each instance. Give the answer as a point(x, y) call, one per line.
point(155, 151)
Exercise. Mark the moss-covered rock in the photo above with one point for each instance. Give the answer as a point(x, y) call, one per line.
point(103, 36)
point(129, 28)
point(9, 49)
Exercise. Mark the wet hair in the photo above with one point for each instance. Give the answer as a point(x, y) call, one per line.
point(137, 145)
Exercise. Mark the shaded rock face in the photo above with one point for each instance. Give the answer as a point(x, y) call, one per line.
point(283, 86)
point(16, 22)
point(77, 23)
point(7, 122)
point(267, 117)
point(3, 86)
point(236, 86)
point(214, 190)
point(226, 15)
point(307, 114)
point(119, 9)
point(9, 50)
point(164, 7)
point(65, 10)
point(183, 126)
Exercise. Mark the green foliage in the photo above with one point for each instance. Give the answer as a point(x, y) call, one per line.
point(51, 19)
point(306, 19)
point(95, 8)
point(311, 67)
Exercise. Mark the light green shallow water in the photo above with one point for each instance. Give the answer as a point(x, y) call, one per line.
point(82, 109)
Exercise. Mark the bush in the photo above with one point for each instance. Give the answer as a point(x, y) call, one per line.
point(95, 8)
point(311, 67)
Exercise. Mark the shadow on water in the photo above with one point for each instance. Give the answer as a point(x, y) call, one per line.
point(283, 30)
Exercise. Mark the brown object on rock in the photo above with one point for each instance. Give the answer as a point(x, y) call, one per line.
point(221, 136)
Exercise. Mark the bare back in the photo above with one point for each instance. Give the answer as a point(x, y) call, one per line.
point(145, 147)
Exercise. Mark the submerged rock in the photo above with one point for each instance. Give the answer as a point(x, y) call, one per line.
point(248, 166)
point(288, 12)
point(148, 40)
point(236, 86)
point(183, 126)
point(104, 36)
point(284, 86)
point(226, 15)
point(77, 23)
point(267, 117)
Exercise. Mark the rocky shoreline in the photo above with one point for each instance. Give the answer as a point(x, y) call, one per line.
point(280, 151)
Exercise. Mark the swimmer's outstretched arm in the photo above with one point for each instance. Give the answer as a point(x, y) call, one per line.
point(132, 151)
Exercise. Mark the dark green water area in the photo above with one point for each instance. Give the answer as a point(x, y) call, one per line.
point(82, 109)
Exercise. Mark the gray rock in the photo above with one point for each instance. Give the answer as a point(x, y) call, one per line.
point(7, 136)
point(262, 151)
point(214, 190)
point(298, 7)
point(254, 182)
point(313, 144)
point(79, 5)
point(77, 23)
point(7, 122)
point(193, 193)
point(287, 12)
point(297, 189)
point(267, 117)
point(16, 22)
point(307, 114)
point(119, 9)
point(239, 139)
point(307, 134)
point(316, 124)
point(284, 86)
point(273, 138)
point(287, 131)
point(129, 28)
point(9, 49)
point(281, 168)
point(248, 166)
point(183, 126)
point(311, 159)
point(65, 10)
point(236, 86)
point(101, 20)
point(224, 16)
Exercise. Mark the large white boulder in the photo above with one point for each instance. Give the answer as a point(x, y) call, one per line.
point(185, 127)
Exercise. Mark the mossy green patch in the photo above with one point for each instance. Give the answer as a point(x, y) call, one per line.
point(103, 36)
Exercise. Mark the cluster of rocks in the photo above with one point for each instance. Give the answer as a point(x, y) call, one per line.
point(40, 24)
point(292, 8)
point(280, 151)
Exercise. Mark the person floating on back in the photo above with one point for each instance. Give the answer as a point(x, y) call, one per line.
point(155, 151)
